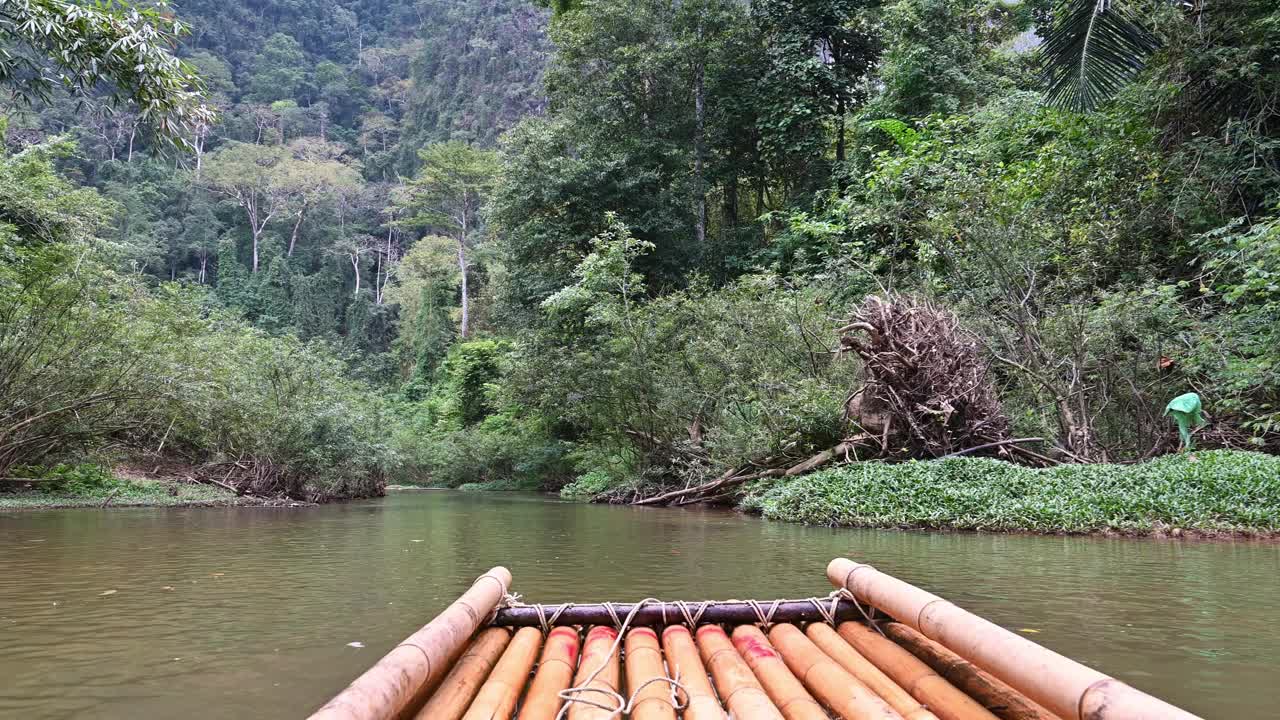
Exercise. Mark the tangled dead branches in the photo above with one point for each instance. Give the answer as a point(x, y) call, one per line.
point(926, 390)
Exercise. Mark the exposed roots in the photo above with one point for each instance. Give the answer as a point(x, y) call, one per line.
point(925, 389)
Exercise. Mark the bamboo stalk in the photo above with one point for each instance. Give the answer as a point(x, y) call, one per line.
point(734, 612)
point(741, 693)
point(874, 677)
point(1002, 700)
point(685, 666)
point(598, 671)
point(1071, 690)
point(830, 683)
point(459, 687)
point(790, 697)
point(645, 677)
point(392, 685)
point(498, 696)
point(555, 672)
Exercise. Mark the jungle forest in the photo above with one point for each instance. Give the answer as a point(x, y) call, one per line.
point(774, 253)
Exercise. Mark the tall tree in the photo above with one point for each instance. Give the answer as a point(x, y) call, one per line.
point(446, 195)
point(258, 179)
point(820, 52)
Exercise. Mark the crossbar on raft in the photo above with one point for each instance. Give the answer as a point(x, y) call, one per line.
point(660, 614)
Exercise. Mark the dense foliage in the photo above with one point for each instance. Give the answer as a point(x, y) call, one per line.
point(615, 247)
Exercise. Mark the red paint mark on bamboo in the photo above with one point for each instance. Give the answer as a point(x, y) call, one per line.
point(645, 631)
point(567, 638)
point(675, 628)
point(711, 629)
point(601, 631)
point(753, 648)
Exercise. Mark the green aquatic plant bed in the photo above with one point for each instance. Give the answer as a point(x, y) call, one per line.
point(1220, 491)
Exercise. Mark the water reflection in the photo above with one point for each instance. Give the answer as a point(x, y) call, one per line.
point(232, 613)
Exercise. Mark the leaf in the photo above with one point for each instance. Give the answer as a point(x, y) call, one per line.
point(1092, 49)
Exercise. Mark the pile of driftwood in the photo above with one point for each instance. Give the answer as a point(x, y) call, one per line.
point(924, 391)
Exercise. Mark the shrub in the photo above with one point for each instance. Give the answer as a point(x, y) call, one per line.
point(82, 479)
point(587, 486)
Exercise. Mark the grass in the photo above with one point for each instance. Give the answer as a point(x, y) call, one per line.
point(1220, 491)
point(67, 486)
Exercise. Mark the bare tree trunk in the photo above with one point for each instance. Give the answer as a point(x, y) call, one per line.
point(204, 264)
point(699, 182)
point(466, 305)
point(293, 237)
point(355, 265)
point(198, 147)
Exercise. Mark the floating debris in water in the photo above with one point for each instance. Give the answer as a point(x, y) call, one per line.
point(356, 644)
point(107, 592)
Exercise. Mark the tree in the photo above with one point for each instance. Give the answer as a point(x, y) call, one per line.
point(258, 179)
point(278, 70)
point(820, 53)
point(80, 46)
point(446, 195)
point(313, 176)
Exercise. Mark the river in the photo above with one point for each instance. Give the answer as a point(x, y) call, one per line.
point(255, 612)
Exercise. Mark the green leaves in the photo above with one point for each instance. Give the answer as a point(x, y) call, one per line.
point(77, 46)
point(1091, 50)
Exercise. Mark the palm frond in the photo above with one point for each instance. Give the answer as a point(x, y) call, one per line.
point(1092, 49)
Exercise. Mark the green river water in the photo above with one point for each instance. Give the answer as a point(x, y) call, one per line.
point(249, 612)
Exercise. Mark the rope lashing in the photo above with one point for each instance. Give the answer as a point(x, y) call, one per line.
point(544, 621)
point(766, 619)
point(692, 618)
point(623, 704)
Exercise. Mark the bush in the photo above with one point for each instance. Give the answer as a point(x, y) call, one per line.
point(76, 480)
point(587, 486)
point(1219, 490)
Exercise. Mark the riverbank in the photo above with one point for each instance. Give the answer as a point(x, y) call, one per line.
point(122, 487)
point(1211, 494)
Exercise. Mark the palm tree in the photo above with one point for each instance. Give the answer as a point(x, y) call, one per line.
point(1092, 49)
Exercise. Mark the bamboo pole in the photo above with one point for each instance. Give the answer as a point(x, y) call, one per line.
point(392, 685)
point(742, 694)
point(646, 677)
point(498, 696)
point(686, 668)
point(918, 678)
point(1002, 700)
point(1064, 686)
point(832, 684)
point(597, 671)
point(459, 687)
point(875, 678)
point(555, 672)
point(788, 695)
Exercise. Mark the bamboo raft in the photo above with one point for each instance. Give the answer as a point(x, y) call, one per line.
point(876, 648)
